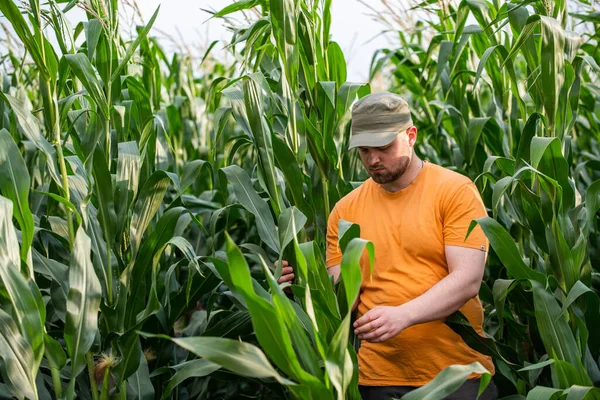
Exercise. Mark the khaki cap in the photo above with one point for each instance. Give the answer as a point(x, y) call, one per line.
point(377, 118)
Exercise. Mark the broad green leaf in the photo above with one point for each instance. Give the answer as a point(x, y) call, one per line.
point(351, 268)
point(449, 380)
point(19, 366)
point(337, 64)
point(269, 325)
point(247, 196)
point(292, 172)
point(506, 249)
point(189, 369)
point(14, 181)
point(299, 337)
point(592, 204)
point(241, 358)
point(23, 294)
point(83, 305)
point(262, 140)
point(544, 393)
point(140, 381)
point(147, 204)
point(554, 330)
point(84, 71)
point(482, 344)
point(283, 19)
point(127, 181)
point(547, 157)
point(93, 30)
point(192, 171)
point(291, 222)
point(32, 131)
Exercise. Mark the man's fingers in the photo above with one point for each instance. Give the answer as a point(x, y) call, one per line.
point(368, 327)
point(286, 278)
point(365, 319)
point(287, 270)
point(381, 338)
point(376, 334)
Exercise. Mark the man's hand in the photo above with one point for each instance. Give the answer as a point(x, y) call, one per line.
point(287, 273)
point(381, 323)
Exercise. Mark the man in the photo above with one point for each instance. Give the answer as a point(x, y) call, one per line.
point(417, 215)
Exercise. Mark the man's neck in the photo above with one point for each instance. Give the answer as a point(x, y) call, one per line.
point(407, 177)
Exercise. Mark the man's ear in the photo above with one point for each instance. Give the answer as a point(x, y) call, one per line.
point(412, 135)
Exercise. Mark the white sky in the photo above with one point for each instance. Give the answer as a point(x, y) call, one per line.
point(351, 27)
point(356, 32)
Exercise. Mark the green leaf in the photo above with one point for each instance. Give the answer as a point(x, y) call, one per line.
point(93, 30)
point(592, 204)
point(337, 64)
point(237, 6)
point(268, 322)
point(350, 267)
point(84, 71)
point(14, 16)
point(82, 307)
point(192, 170)
point(189, 369)
point(547, 157)
point(19, 366)
point(262, 140)
point(140, 381)
point(292, 172)
point(23, 294)
point(14, 181)
point(283, 20)
point(449, 380)
point(544, 393)
point(127, 181)
point(554, 330)
point(291, 222)
point(506, 249)
point(32, 131)
point(147, 204)
point(141, 35)
point(241, 358)
point(305, 352)
point(534, 367)
point(247, 196)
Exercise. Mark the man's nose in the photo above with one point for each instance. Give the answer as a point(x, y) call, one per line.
point(373, 158)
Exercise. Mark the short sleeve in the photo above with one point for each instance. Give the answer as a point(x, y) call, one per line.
point(333, 254)
point(460, 208)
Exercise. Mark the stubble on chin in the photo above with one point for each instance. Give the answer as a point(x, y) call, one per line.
point(387, 176)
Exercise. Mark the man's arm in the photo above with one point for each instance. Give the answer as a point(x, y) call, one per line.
point(465, 271)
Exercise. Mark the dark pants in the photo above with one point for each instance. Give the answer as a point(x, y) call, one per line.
point(468, 391)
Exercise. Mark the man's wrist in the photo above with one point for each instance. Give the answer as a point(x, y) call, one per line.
point(407, 314)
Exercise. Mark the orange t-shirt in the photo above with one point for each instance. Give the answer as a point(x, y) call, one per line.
point(409, 229)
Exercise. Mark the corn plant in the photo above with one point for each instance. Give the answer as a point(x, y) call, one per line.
point(101, 209)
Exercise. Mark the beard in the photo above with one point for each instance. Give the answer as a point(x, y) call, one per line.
point(389, 174)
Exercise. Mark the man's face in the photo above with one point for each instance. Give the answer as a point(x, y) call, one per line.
point(387, 163)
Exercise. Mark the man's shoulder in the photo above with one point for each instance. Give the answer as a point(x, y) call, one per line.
point(356, 195)
point(447, 178)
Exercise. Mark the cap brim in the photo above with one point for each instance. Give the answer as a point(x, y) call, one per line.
point(372, 139)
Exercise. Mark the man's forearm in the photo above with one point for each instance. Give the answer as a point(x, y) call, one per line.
point(443, 299)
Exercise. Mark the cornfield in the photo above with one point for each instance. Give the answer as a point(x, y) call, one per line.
point(148, 199)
